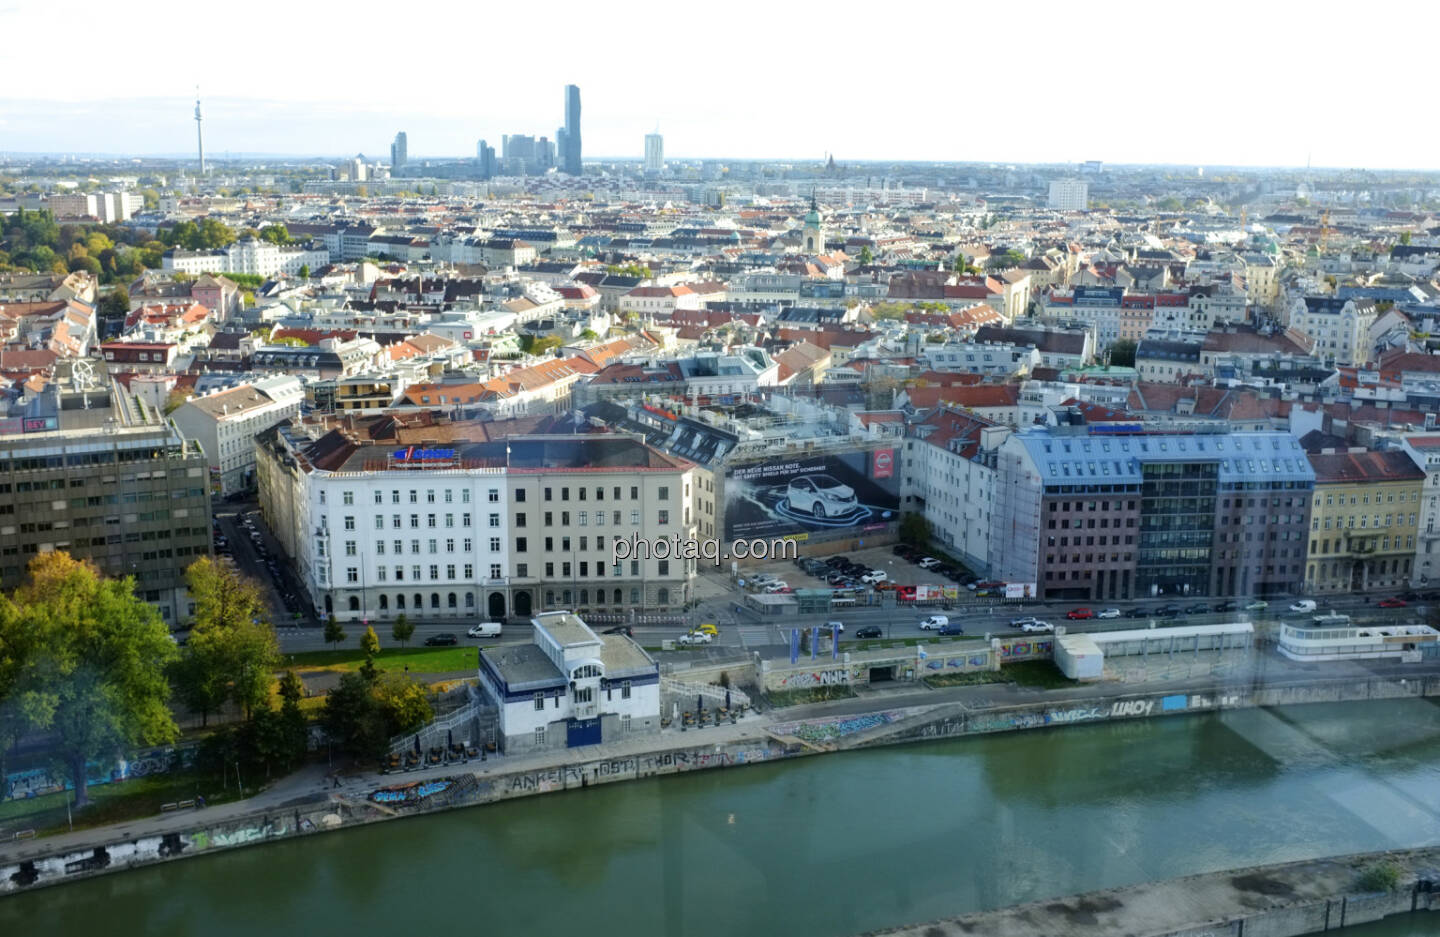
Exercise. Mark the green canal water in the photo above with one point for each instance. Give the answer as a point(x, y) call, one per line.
point(823, 846)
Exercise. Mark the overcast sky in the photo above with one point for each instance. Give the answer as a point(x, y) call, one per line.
point(1250, 83)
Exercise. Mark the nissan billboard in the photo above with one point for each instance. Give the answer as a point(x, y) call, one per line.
point(841, 493)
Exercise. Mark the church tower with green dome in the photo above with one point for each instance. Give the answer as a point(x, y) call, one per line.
point(813, 235)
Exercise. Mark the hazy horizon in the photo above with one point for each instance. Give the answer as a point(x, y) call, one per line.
point(1138, 86)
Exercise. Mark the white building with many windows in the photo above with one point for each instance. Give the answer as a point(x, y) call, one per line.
point(475, 530)
point(570, 687)
point(226, 422)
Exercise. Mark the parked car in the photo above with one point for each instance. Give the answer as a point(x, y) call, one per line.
point(1304, 605)
point(1226, 607)
point(760, 579)
point(779, 585)
point(1108, 613)
point(951, 629)
point(1037, 626)
point(1257, 605)
point(934, 623)
point(820, 496)
point(1392, 603)
point(441, 640)
point(1080, 614)
point(695, 637)
point(869, 631)
point(1199, 608)
point(485, 629)
point(1168, 610)
point(929, 562)
point(1139, 612)
point(874, 576)
point(626, 630)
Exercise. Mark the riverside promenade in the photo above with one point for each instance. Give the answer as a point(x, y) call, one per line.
point(307, 803)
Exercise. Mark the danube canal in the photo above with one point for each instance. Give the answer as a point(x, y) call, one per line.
point(825, 846)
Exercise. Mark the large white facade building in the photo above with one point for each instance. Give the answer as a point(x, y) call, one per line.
point(251, 256)
point(570, 687)
point(949, 474)
point(226, 422)
point(1069, 195)
point(476, 530)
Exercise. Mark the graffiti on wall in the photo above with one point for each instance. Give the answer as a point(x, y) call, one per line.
point(830, 730)
point(409, 794)
point(35, 782)
point(839, 675)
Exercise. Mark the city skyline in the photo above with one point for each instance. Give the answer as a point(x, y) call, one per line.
point(1233, 103)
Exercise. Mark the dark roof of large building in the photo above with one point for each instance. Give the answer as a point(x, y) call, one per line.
point(1389, 466)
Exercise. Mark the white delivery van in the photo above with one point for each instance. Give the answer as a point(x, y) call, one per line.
point(1304, 605)
point(486, 629)
point(935, 623)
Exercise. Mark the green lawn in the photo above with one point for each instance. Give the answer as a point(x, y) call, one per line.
point(418, 659)
point(111, 803)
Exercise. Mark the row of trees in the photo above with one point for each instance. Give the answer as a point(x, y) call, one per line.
point(34, 241)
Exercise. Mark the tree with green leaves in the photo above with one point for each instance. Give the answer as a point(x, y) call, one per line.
point(1122, 353)
point(304, 273)
point(914, 529)
point(403, 629)
point(94, 676)
point(404, 704)
point(370, 642)
point(116, 304)
point(232, 649)
point(334, 632)
point(275, 234)
point(352, 718)
point(866, 258)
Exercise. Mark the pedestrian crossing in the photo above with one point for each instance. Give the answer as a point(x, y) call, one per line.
point(757, 635)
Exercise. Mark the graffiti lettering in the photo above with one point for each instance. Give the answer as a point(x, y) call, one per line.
point(1074, 715)
point(1134, 707)
point(817, 678)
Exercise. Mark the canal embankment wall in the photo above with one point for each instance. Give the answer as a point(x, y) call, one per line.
point(754, 740)
point(1284, 900)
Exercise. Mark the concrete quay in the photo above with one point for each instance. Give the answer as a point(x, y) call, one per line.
point(1287, 900)
point(298, 808)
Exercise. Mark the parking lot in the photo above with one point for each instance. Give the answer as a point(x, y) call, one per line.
point(899, 570)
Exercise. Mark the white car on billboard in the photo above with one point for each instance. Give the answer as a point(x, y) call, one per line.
point(820, 496)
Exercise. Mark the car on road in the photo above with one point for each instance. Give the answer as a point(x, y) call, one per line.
point(1037, 626)
point(1139, 611)
point(1022, 622)
point(485, 629)
point(874, 576)
point(1199, 608)
point(1108, 613)
point(870, 631)
point(1392, 603)
point(441, 640)
point(1080, 614)
point(1226, 607)
point(1257, 605)
point(1304, 605)
point(835, 625)
point(934, 622)
point(820, 496)
point(626, 630)
point(695, 637)
point(951, 629)
point(709, 628)
point(1168, 610)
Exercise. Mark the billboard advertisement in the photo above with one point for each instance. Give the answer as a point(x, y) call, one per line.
point(1019, 590)
point(815, 496)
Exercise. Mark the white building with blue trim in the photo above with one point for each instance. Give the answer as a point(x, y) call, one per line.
point(570, 687)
